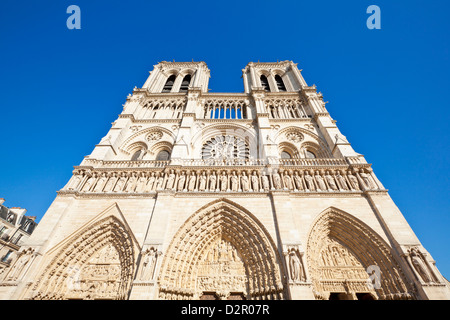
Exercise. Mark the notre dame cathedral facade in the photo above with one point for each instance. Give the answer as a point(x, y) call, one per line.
point(200, 195)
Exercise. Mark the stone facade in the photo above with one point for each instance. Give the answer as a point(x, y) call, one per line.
point(199, 195)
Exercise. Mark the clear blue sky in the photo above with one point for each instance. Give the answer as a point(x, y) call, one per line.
point(388, 89)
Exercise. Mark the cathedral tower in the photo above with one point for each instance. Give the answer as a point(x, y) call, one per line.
point(200, 195)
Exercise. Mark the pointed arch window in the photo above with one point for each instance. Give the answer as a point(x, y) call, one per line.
point(163, 155)
point(169, 84)
point(265, 83)
point(138, 155)
point(185, 83)
point(285, 155)
point(309, 155)
point(280, 83)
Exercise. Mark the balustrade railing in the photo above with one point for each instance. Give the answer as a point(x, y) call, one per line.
point(316, 162)
point(126, 163)
point(313, 162)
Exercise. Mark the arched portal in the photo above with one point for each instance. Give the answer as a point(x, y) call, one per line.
point(348, 260)
point(97, 262)
point(221, 252)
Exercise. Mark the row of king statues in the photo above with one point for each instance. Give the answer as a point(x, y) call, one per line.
point(223, 181)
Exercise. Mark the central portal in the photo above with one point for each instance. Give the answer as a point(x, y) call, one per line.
point(221, 252)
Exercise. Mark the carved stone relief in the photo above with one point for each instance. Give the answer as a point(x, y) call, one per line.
point(221, 269)
point(221, 249)
point(148, 265)
point(19, 268)
point(341, 250)
point(154, 136)
point(294, 136)
point(230, 180)
point(423, 270)
point(294, 264)
point(98, 263)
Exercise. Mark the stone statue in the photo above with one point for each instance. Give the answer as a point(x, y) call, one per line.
point(341, 180)
point(265, 183)
point(181, 181)
point(320, 183)
point(75, 182)
point(212, 181)
point(295, 267)
point(234, 182)
point(130, 183)
point(353, 180)
point(149, 264)
point(298, 181)
point(419, 265)
point(110, 183)
point(192, 180)
point(331, 181)
point(202, 184)
point(309, 182)
point(223, 181)
point(366, 178)
point(255, 182)
point(87, 186)
point(141, 183)
point(287, 181)
point(159, 181)
point(244, 182)
point(20, 264)
point(170, 180)
point(100, 183)
point(151, 183)
point(120, 184)
point(276, 180)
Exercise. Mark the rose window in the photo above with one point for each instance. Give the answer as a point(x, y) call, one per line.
point(225, 148)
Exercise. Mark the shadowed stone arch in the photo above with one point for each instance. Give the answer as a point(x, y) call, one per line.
point(97, 262)
point(289, 148)
point(309, 140)
point(189, 256)
point(143, 135)
point(363, 248)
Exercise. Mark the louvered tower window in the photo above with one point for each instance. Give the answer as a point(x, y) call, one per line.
point(280, 83)
point(185, 83)
point(265, 83)
point(169, 84)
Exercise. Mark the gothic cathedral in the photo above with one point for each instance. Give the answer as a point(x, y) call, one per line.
point(234, 196)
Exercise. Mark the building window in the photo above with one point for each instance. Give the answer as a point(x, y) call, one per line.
point(280, 83)
point(310, 155)
point(225, 148)
point(226, 110)
point(17, 239)
point(6, 256)
point(169, 84)
point(185, 83)
point(285, 155)
point(138, 155)
point(265, 83)
point(163, 155)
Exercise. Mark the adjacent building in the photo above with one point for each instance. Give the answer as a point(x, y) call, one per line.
point(15, 229)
